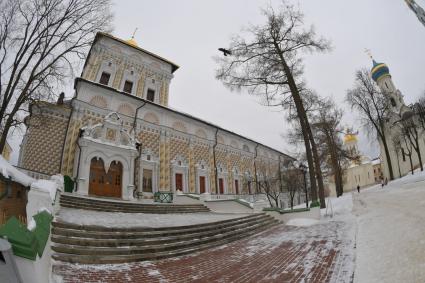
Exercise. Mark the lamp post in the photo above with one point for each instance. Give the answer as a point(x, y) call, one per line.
point(303, 169)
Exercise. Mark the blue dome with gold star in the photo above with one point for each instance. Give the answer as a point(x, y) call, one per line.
point(379, 70)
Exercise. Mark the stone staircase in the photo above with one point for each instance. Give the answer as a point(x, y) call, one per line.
point(105, 245)
point(73, 201)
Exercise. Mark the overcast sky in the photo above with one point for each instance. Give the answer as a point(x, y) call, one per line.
point(188, 32)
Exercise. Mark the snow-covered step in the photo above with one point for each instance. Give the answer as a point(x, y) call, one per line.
point(93, 255)
point(73, 201)
point(117, 239)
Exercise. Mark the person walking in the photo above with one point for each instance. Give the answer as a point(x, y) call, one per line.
point(358, 189)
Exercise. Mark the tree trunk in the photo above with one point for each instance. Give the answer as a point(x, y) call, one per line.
point(411, 164)
point(418, 152)
point(317, 167)
point(302, 118)
point(387, 154)
point(398, 164)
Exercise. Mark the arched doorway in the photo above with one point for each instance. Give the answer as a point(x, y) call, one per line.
point(106, 184)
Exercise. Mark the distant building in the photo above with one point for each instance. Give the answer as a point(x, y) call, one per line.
point(377, 171)
point(418, 10)
point(358, 172)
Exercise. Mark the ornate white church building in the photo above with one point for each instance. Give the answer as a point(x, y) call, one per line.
point(118, 135)
point(401, 152)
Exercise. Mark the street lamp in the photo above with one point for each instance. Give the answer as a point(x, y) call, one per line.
point(303, 169)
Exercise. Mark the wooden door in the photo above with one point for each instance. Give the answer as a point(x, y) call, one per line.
point(237, 187)
point(105, 184)
point(201, 184)
point(97, 177)
point(221, 185)
point(147, 180)
point(114, 180)
point(179, 182)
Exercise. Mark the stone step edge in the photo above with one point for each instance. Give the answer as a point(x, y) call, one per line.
point(94, 228)
point(123, 203)
point(91, 208)
point(84, 259)
point(134, 208)
point(93, 242)
point(145, 206)
point(81, 250)
point(99, 234)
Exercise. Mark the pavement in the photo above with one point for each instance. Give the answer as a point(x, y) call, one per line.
point(318, 253)
point(391, 232)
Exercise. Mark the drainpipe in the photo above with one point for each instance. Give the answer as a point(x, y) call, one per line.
point(138, 147)
point(215, 163)
point(255, 171)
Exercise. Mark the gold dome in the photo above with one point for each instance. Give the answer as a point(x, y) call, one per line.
point(350, 138)
point(131, 42)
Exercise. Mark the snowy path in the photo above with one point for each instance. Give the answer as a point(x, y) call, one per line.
point(391, 232)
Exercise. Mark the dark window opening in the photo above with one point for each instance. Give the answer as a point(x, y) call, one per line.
point(393, 102)
point(150, 95)
point(128, 86)
point(104, 78)
point(18, 194)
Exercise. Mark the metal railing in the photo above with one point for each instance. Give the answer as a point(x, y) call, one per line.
point(247, 197)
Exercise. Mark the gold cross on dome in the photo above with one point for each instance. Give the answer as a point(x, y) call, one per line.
point(134, 33)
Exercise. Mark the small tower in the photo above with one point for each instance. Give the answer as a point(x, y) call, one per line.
point(350, 142)
point(381, 75)
point(418, 10)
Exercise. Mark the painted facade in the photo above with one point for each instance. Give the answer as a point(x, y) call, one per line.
point(119, 117)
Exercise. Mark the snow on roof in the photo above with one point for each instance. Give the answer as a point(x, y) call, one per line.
point(376, 161)
point(8, 171)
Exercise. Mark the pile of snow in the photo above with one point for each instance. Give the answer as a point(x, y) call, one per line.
point(48, 186)
point(8, 171)
point(31, 224)
point(302, 222)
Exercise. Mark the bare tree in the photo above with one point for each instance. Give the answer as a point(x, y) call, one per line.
point(408, 148)
point(373, 108)
point(327, 129)
point(412, 133)
point(40, 42)
point(269, 185)
point(267, 62)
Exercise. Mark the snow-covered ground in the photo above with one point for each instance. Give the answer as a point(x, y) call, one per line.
point(391, 231)
point(119, 219)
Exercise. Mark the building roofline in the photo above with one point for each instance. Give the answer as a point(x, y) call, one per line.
point(178, 112)
point(174, 66)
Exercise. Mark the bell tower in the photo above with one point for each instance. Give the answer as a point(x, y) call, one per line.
point(381, 75)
